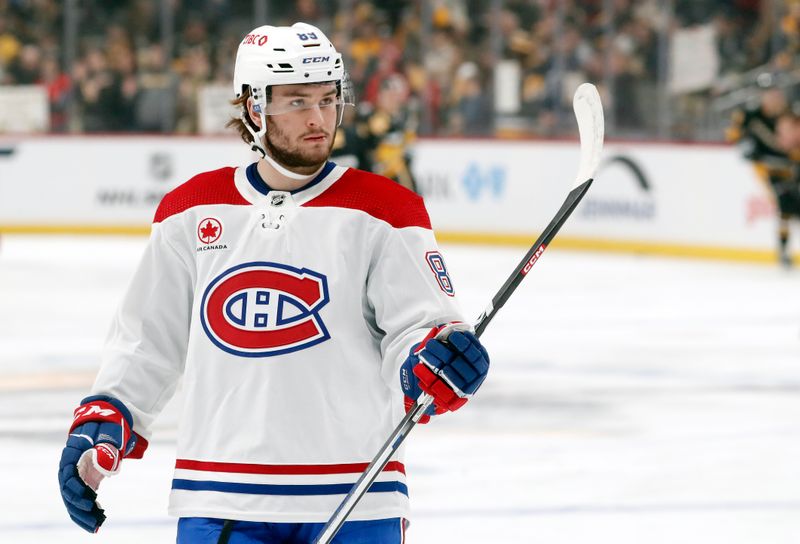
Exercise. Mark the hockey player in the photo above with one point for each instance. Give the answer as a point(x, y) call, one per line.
point(380, 137)
point(300, 304)
point(754, 130)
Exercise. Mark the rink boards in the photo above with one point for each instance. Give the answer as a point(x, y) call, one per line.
point(694, 200)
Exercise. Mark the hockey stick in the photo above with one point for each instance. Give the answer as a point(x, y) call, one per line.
point(589, 114)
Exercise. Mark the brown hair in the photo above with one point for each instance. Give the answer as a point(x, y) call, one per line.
point(237, 123)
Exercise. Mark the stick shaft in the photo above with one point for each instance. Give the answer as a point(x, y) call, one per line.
point(369, 475)
point(413, 416)
point(570, 203)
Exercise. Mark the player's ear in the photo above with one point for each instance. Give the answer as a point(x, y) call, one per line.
point(253, 113)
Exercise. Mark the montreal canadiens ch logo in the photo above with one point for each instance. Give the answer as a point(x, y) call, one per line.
point(261, 309)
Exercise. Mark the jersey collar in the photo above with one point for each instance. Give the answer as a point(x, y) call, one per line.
point(254, 189)
point(259, 184)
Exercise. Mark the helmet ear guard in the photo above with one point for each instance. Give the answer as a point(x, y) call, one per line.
point(255, 131)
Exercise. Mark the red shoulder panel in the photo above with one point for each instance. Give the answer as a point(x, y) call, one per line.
point(376, 195)
point(215, 187)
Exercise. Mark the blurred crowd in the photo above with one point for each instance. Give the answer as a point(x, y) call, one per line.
point(130, 73)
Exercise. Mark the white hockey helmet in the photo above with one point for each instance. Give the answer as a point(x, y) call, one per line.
point(283, 55)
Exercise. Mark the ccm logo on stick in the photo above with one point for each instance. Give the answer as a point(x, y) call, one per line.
point(533, 259)
point(262, 309)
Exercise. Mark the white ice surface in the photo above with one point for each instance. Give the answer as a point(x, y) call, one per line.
point(631, 400)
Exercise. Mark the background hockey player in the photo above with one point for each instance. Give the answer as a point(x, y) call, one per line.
point(787, 190)
point(382, 132)
point(754, 130)
point(300, 303)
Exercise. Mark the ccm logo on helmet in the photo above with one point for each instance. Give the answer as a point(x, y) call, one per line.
point(261, 309)
point(259, 39)
point(310, 60)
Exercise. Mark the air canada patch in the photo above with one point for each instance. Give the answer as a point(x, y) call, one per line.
point(209, 232)
point(262, 309)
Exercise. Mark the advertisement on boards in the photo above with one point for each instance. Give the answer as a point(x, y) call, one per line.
point(114, 181)
point(644, 194)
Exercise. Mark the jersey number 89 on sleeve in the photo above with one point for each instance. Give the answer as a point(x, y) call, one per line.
point(436, 262)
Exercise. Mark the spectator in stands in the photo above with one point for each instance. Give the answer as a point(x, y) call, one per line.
point(10, 46)
point(26, 67)
point(365, 46)
point(730, 45)
point(380, 68)
point(125, 85)
point(310, 10)
point(106, 96)
point(92, 80)
point(555, 44)
point(439, 61)
point(470, 113)
point(625, 76)
point(195, 72)
point(59, 88)
point(158, 91)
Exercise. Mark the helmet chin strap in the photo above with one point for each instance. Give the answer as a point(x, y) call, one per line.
point(259, 148)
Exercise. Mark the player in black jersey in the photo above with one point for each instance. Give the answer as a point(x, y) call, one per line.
point(755, 129)
point(379, 138)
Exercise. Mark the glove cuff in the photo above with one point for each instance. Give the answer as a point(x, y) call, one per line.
point(116, 403)
point(105, 409)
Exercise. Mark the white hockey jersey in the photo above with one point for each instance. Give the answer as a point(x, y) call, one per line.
point(287, 317)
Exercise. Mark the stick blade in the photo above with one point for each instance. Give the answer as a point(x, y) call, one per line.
point(591, 127)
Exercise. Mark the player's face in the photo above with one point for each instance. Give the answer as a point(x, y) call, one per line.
point(774, 101)
point(301, 137)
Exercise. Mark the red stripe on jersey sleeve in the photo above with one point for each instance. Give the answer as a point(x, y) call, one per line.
point(215, 187)
point(376, 195)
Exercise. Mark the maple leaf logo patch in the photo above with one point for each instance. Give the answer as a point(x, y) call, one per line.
point(209, 230)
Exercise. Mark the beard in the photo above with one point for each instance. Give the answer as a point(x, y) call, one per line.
point(279, 148)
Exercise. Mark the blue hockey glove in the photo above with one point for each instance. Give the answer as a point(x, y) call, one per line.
point(100, 436)
point(450, 364)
